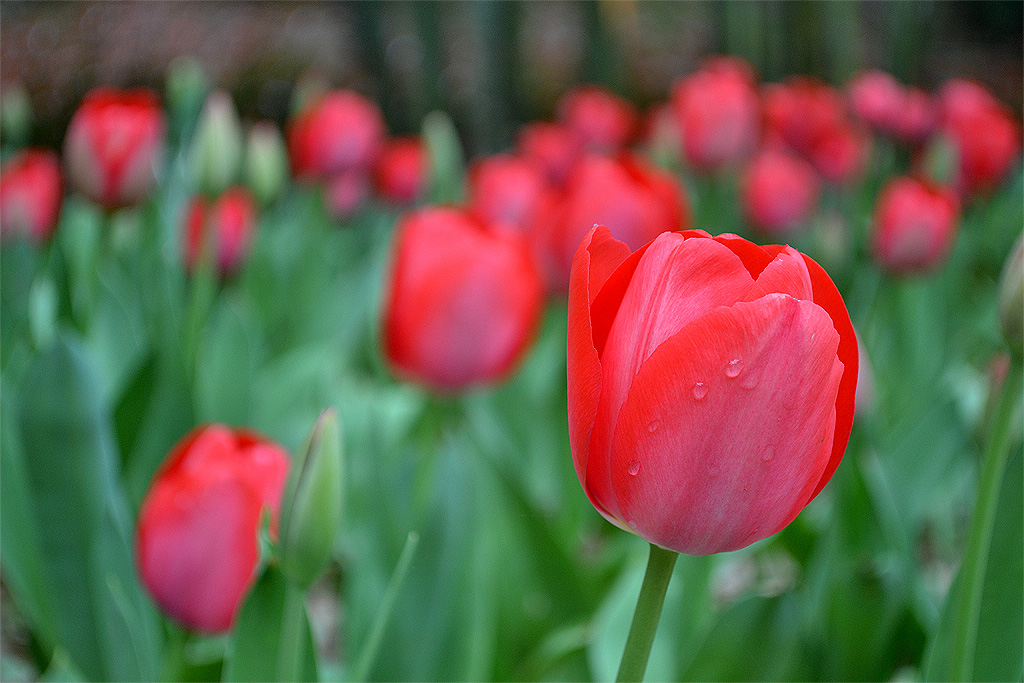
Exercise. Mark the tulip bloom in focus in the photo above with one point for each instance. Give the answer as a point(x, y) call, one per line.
point(30, 195)
point(915, 226)
point(634, 199)
point(113, 146)
point(342, 131)
point(711, 386)
point(225, 227)
point(401, 172)
point(779, 192)
point(600, 120)
point(464, 301)
point(718, 111)
point(507, 191)
point(552, 147)
point(196, 540)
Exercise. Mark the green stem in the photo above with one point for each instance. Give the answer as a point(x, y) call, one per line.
point(647, 614)
point(972, 572)
point(290, 647)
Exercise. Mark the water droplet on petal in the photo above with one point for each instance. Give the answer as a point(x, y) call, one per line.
point(733, 367)
point(633, 467)
point(632, 524)
point(653, 426)
point(768, 454)
point(700, 390)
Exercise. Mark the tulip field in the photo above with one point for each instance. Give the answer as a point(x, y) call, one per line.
point(721, 386)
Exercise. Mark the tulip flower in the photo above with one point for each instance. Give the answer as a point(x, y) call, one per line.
point(266, 162)
point(719, 114)
point(600, 120)
point(915, 226)
point(225, 227)
point(552, 147)
point(711, 386)
point(30, 195)
point(401, 172)
point(198, 527)
point(340, 132)
point(876, 97)
point(916, 117)
point(114, 145)
point(986, 135)
point(634, 199)
point(464, 301)
point(346, 193)
point(507, 191)
point(840, 154)
point(217, 145)
point(779, 192)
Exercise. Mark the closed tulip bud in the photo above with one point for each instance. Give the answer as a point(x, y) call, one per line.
point(30, 195)
point(718, 112)
point(600, 120)
point(552, 147)
point(801, 112)
point(917, 117)
point(197, 542)
point(841, 154)
point(114, 145)
point(338, 132)
point(779, 192)
point(266, 162)
point(311, 512)
point(915, 226)
point(346, 193)
point(15, 116)
point(224, 228)
point(711, 386)
point(634, 199)
point(876, 97)
point(507, 191)
point(217, 145)
point(1011, 299)
point(402, 171)
point(465, 300)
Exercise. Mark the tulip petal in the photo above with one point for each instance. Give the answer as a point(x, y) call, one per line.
point(786, 274)
point(677, 281)
point(596, 258)
point(716, 466)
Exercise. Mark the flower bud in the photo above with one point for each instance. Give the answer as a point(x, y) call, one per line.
point(15, 117)
point(224, 228)
point(266, 162)
point(779, 192)
point(719, 114)
point(915, 226)
point(507, 191)
point(876, 97)
point(1011, 299)
point(600, 120)
point(402, 171)
point(340, 131)
point(634, 199)
point(711, 386)
point(30, 195)
point(114, 145)
point(465, 300)
point(311, 512)
point(197, 536)
point(552, 147)
point(217, 145)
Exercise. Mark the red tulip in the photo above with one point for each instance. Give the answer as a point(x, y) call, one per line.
point(401, 172)
point(341, 131)
point(225, 227)
point(600, 120)
point(841, 154)
point(464, 301)
point(197, 542)
point(114, 145)
point(346, 193)
point(719, 113)
point(916, 118)
point(984, 132)
point(634, 199)
point(507, 191)
point(915, 226)
point(711, 386)
point(801, 111)
point(876, 97)
point(30, 195)
point(779, 192)
point(552, 147)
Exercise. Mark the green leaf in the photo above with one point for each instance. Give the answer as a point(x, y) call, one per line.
point(254, 653)
point(227, 357)
point(446, 158)
point(80, 519)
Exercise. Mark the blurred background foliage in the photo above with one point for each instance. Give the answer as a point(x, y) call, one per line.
point(515, 576)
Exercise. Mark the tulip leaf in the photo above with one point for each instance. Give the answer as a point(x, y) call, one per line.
point(255, 649)
point(77, 511)
point(446, 158)
point(229, 351)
